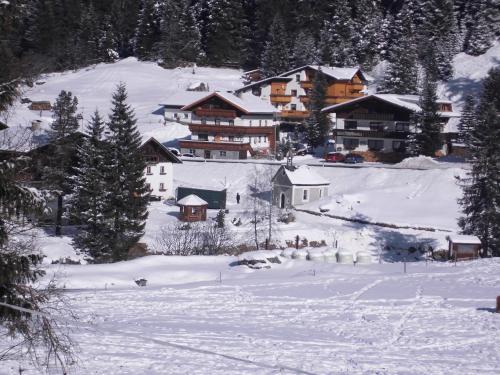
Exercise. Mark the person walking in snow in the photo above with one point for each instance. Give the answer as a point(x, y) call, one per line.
point(238, 198)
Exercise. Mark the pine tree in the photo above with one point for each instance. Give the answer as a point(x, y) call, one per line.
point(90, 197)
point(480, 21)
point(468, 120)
point(426, 125)
point(401, 76)
point(317, 123)
point(304, 50)
point(481, 189)
point(368, 32)
point(148, 30)
point(275, 56)
point(128, 194)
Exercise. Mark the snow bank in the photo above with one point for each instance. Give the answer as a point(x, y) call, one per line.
point(419, 162)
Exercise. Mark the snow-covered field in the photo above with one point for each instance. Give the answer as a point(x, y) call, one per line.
point(299, 317)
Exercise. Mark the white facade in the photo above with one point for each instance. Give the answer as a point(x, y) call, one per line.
point(159, 178)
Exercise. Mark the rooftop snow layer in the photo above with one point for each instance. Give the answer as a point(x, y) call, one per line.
point(461, 238)
point(248, 103)
point(183, 98)
point(192, 200)
point(304, 175)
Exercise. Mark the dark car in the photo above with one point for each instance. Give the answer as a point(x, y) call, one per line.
point(188, 155)
point(334, 157)
point(353, 159)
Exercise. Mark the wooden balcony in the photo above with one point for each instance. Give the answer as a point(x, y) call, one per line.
point(207, 145)
point(281, 98)
point(306, 84)
point(215, 112)
point(289, 114)
point(370, 134)
point(231, 130)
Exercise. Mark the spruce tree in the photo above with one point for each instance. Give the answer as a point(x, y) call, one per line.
point(467, 122)
point(275, 56)
point(128, 194)
point(427, 123)
point(91, 194)
point(317, 123)
point(480, 21)
point(148, 30)
point(304, 50)
point(368, 33)
point(481, 189)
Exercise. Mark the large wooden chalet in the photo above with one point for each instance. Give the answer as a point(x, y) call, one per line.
point(223, 125)
point(289, 92)
point(380, 122)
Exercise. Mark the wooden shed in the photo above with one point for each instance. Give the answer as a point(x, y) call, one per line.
point(463, 247)
point(192, 208)
point(43, 105)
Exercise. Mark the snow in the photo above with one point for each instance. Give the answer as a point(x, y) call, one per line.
point(465, 239)
point(304, 175)
point(192, 200)
point(419, 162)
point(332, 71)
point(249, 103)
point(183, 98)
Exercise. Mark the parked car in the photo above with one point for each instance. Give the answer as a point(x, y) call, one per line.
point(154, 198)
point(188, 155)
point(301, 149)
point(334, 157)
point(353, 159)
point(174, 151)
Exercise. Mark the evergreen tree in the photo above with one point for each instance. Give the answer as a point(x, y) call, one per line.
point(401, 76)
point(304, 50)
point(468, 120)
point(148, 30)
point(88, 37)
point(89, 203)
point(368, 32)
point(128, 194)
point(65, 122)
point(481, 189)
point(426, 122)
point(481, 22)
point(317, 123)
point(275, 56)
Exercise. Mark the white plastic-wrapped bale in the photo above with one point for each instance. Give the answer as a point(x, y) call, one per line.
point(345, 257)
point(299, 254)
point(362, 257)
point(316, 255)
point(330, 256)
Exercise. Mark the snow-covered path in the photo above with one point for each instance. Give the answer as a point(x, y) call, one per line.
point(436, 319)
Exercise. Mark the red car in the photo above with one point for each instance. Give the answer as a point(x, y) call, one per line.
point(334, 157)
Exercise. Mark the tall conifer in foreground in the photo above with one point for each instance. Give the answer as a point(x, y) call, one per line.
point(128, 195)
point(481, 189)
point(89, 203)
point(468, 120)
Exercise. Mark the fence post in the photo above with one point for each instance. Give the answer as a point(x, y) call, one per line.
point(297, 241)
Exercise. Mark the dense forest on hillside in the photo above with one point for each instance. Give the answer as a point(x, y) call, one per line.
point(50, 35)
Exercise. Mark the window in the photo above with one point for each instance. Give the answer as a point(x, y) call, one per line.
point(254, 140)
point(305, 195)
point(231, 122)
point(375, 144)
point(192, 151)
point(293, 107)
point(351, 143)
point(320, 192)
point(376, 126)
point(162, 186)
point(193, 210)
point(402, 127)
point(350, 125)
point(203, 137)
point(294, 92)
point(203, 121)
point(148, 187)
point(230, 138)
point(265, 122)
point(148, 170)
point(186, 115)
point(222, 153)
point(250, 122)
point(256, 91)
point(260, 122)
point(399, 146)
point(260, 139)
point(217, 121)
point(297, 77)
point(162, 170)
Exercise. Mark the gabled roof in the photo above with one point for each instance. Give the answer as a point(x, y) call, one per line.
point(166, 152)
point(302, 176)
point(192, 200)
point(247, 104)
point(407, 102)
point(465, 239)
point(342, 74)
point(263, 81)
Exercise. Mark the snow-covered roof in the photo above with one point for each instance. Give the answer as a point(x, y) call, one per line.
point(192, 200)
point(466, 239)
point(410, 102)
point(262, 81)
point(247, 103)
point(452, 125)
point(183, 98)
point(303, 175)
point(331, 71)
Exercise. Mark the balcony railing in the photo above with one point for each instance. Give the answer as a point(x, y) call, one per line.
point(370, 134)
point(306, 84)
point(294, 114)
point(215, 112)
point(280, 98)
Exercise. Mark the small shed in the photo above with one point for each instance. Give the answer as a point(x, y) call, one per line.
point(463, 246)
point(294, 186)
point(216, 199)
point(43, 105)
point(193, 208)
